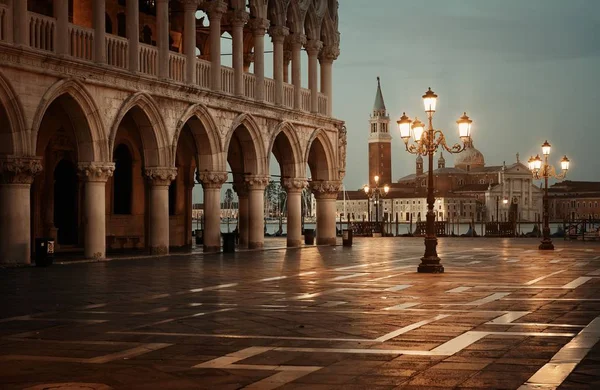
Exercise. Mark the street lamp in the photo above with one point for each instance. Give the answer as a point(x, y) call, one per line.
point(375, 194)
point(542, 170)
point(426, 143)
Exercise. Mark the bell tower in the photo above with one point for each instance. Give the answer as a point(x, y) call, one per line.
point(380, 142)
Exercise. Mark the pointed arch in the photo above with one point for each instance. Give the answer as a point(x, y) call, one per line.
point(285, 145)
point(320, 156)
point(13, 138)
point(294, 18)
point(205, 132)
point(84, 113)
point(151, 127)
point(312, 24)
point(329, 34)
point(255, 159)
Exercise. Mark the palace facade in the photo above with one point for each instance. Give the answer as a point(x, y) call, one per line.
point(111, 111)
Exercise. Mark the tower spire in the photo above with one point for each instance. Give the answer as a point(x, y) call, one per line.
point(379, 106)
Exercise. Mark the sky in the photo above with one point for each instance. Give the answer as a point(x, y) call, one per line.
point(523, 70)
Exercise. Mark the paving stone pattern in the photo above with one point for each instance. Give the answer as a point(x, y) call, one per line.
point(503, 316)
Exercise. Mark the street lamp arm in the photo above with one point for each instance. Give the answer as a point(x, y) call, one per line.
point(548, 171)
point(440, 140)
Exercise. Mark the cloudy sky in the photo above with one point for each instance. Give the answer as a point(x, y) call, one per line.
point(524, 70)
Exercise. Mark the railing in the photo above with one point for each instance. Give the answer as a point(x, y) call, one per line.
point(288, 95)
point(81, 42)
point(4, 16)
point(148, 59)
point(305, 100)
point(202, 73)
point(249, 85)
point(41, 31)
point(227, 82)
point(322, 105)
point(116, 51)
point(177, 67)
point(270, 90)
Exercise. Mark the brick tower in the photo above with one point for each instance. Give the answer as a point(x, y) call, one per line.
point(380, 142)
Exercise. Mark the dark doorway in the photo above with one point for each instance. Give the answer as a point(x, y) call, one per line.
point(108, 27)
point(121, 25)
point(123, 187)
point(65, 202)
point(172, 197)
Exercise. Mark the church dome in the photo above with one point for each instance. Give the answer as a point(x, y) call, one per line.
point(469, 158)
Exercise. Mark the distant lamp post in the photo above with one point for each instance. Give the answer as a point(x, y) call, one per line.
point(426, 143)
point(375, 194)
point(542, 170)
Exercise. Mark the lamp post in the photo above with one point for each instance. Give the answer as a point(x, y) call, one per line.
point(426, 143)
point(375, 194)
point(542, 170)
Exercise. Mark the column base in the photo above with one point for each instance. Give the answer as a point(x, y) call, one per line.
point(293, 243)
point(256, 245)
point(430, 266)
point(159, 250)
point(546, 245)
point(211, 249)
point(326, 241)
point(96, 256)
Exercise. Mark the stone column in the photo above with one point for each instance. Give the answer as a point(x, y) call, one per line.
point(256, 212)
point(99, 31)
point(278, 34)
point(238, 20)
point(241, 189)
point(287, 59)
point(20, 24)
point(133, 34)
point(259, 27)
point(211, 184)
point(313, 48)
point(189, 40)
point(215, 10)
point(158, 232)
point(294, 187)
point(16, 176)
point(162, 41)
point(95, 176)
point(327, 56)
point(297, 41)
point(61, 38)
point(326, 193)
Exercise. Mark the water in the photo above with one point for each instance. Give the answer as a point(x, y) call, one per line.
point(403, 228)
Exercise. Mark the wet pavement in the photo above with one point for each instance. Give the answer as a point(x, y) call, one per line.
point(504, 316)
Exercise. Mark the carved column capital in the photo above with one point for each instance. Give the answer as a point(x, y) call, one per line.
point(239, 18)
point(255, 182)
point(297, 40)
point(278, 33)
point(190, 5)
point(161, 176)
point(329, 53)
point(211, 179)
point(215, 9)
point(19, 170)
point(96, 171)
point(294, 184)
point(313, 47)
point(325, 189)
point(259, 26)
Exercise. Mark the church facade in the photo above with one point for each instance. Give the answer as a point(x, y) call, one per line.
point(470, 190)
point(111, 111)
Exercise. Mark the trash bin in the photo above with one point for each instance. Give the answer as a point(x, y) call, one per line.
point(199, 236)
point(44, 251)
point(347, 237)
point(309, 236)
point(228, 242)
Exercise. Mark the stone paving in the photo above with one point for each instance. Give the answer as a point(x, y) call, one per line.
point(503, 316)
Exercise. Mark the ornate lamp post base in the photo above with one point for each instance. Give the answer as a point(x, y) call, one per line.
point(546, 245)
point(430, 262)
